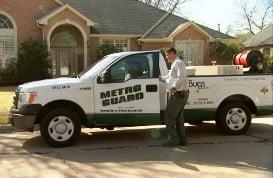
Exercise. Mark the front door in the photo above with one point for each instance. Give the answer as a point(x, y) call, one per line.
point(65, 61)
point(65, 55)
point(129, 95)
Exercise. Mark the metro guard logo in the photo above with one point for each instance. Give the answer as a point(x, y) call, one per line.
point(121, 95)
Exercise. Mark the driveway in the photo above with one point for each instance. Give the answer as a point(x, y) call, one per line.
point(137, 152)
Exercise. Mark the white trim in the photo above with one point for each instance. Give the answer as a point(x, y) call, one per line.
point(182, 27)
point(114, 36)
point(14, 29)
point(117, 38)
point(70, 22)
point(156, 40)
point(128, 44)
point(44, 20)
point(178, 30)
point(59, 2)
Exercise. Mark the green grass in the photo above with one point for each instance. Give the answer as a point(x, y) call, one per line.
point(6, 99)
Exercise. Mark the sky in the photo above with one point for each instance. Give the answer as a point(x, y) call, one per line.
point(211, 12)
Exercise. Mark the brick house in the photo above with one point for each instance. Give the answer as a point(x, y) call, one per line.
point(74, 30)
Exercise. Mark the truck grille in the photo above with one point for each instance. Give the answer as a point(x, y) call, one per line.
point(15, 98)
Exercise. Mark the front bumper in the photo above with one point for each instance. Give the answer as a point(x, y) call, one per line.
point(24, 118)
point(20, 121)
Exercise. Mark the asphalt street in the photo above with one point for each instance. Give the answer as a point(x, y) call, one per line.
point(137, 152)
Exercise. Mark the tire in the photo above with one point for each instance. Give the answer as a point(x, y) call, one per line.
point(233, 119)
point(195, 122)
point(60, 127)
point(110, 128)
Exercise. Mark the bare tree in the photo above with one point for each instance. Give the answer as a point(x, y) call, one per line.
point(255, 15)
point(167, 5)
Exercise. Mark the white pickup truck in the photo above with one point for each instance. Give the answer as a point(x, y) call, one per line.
point(123, 89)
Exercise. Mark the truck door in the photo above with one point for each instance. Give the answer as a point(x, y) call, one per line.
point(127, 92)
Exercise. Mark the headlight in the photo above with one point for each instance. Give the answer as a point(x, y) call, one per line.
point(26, 98)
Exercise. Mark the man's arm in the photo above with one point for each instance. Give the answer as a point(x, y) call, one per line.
point(181, 75)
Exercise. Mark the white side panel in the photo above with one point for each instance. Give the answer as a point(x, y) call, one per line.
point(106, 96)
point(209, 92)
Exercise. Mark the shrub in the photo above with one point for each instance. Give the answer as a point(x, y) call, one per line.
point(106, 49)
point(33, 61)
point(224, 51)
point(8, 75)
point(268, 64)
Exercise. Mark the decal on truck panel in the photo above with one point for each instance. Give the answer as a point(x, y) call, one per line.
point(121, 95)
point(60, 87)
point(264, 90)
point(85, 88)
point(199, 85)
point(250, 78)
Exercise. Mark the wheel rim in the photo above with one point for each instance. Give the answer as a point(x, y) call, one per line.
point(236, 119)
point(61, 128)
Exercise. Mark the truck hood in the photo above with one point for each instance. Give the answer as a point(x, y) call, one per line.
point(48, 82)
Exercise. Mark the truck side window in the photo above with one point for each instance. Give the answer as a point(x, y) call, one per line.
point(138, 66)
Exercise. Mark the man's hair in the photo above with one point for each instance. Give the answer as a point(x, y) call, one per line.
point(171, 50)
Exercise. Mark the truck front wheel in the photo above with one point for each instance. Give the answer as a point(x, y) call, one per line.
point(60, 127)
point(233, 119)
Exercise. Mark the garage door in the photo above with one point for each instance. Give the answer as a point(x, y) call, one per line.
point(193, 51)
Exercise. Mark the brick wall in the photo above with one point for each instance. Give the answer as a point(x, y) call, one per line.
point(25, 13)
point(94, 44)
point(155, 46)
point(134, 46)
point(188, 34)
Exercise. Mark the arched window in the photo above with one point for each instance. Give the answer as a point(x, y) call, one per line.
point(64, 40)
point(7, 42)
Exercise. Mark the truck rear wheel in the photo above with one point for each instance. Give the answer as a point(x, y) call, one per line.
point(60, 127)
point(233, 119)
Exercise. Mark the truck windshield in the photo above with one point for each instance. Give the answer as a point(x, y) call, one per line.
point(97, 66)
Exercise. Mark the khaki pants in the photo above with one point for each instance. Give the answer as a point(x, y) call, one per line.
point(174, 117)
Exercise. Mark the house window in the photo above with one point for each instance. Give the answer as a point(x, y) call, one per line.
point(7, 48)
point(120, 44)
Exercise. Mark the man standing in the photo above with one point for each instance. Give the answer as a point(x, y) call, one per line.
point(177, 88)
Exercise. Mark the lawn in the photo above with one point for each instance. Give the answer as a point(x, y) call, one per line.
point(6, 99)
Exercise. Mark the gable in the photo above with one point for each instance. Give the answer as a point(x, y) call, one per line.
point(66, 7)
point(190, 31)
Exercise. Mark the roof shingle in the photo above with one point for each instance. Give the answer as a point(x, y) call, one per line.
point(131, 17)
point(264, 37)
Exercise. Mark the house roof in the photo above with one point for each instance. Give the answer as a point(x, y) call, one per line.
point(132, 17)
point(46, 17)
point(264, 37)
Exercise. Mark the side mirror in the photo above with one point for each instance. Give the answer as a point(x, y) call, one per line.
point(104, 77)
point(74, 75)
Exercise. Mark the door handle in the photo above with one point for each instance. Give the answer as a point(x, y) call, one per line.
point(151, 88)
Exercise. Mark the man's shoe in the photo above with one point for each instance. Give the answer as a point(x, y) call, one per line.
point(183, 143)
point(169, 144)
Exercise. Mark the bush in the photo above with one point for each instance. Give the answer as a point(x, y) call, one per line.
point(33, 61)
point(106, 49)
point(8, 75)
point(268, 64)
point(224, 51)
